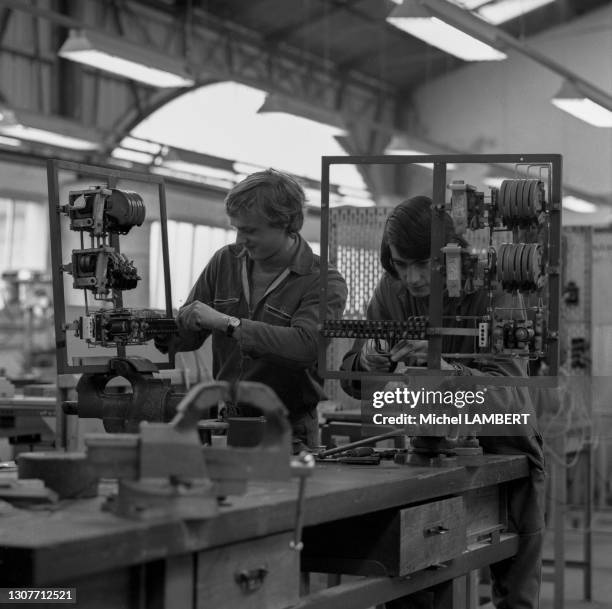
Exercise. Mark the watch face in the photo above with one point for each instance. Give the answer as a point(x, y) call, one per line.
point(232, 324)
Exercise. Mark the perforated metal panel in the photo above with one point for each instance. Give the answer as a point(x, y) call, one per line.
point(354, 246)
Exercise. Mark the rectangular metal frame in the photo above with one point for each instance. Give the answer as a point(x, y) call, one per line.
point(440, 163)
point(111, 176)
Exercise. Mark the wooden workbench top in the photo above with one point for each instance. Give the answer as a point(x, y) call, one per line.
point(77, 538)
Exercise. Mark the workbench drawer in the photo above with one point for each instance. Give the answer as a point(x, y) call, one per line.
point(393, 542)
point(258, 574)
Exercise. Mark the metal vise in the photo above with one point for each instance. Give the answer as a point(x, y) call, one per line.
point(151, 398)
point(164, 470)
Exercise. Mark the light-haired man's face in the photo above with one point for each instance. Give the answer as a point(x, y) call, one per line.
point(260, 240)
point(414, 274)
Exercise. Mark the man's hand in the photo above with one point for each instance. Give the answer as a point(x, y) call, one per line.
point(162, 342)
point(371, 360)
point(412, 352)
point(199, 316)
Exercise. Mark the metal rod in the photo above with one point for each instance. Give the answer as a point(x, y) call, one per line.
point(364, 442)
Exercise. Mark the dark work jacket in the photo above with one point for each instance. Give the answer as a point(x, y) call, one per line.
point(278, 343)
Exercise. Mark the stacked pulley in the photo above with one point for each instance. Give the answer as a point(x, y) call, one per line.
point(520, 202)
point(520, 266)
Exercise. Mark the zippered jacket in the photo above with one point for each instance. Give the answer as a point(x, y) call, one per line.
point(279, 337)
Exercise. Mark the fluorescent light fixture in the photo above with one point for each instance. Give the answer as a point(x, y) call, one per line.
point(133, 156)
point(135, 143)
point(400, 145)
point(505, 10)
point(47, 129)
point(275, 103)
point(572, 100)
point(124, 58)
point(578, 205)
point(470, 5)
point(9, 141)
point(417, 20)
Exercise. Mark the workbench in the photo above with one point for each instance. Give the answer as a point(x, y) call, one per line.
point(445, 522)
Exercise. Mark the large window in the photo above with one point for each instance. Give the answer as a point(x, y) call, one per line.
point(190, 247)
point(23, 236)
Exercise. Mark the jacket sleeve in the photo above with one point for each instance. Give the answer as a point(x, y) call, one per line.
point(295, 346)
point(377, 310)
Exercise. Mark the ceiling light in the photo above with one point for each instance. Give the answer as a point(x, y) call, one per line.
point(505, 10)
point(469, 4)
point(124, 58)
point(416, 19)
point(274, 103)
point(572, 100)
point(47, 129)
point(9, 141)
point(135, 143)
point(578, 205)
point(134, 156)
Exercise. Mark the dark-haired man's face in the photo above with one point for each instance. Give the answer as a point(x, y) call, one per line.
point(260, 240)
point(414, 274)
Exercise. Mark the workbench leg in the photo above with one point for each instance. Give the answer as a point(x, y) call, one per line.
point(166, 584)
point(179, 589)
point(472, 589)
point(451, 594)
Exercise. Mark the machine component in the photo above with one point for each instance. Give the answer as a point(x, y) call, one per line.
point(101, 211)
point(527, 210)
point(452, 258)
point(102, 216)
point(391, 331)
point(513, 337)
point(102, 270)
point(521, 202)
point(122, 327)
point(104, 213)
point(149, 398)
point(520, 266)
point(467, 207)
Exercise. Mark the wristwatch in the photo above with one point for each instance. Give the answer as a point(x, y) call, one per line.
point(232, 324)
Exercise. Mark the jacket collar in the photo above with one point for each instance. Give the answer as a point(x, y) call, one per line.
point(301, 263)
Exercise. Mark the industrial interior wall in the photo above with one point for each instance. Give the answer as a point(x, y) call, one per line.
point(504, 106)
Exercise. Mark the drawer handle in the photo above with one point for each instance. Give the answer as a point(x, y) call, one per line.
point(251, 580)
point(437, 529)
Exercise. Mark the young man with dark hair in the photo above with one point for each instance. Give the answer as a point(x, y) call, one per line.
point(259, 299)
point(403, 291)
